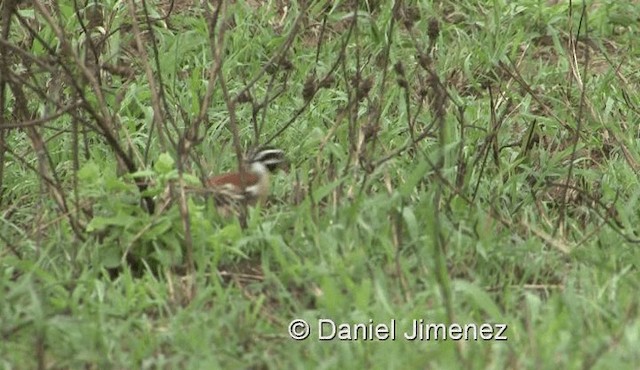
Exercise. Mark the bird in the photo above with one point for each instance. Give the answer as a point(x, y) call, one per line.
point(250, 185)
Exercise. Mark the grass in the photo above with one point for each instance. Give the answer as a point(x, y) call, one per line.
point(456, 163)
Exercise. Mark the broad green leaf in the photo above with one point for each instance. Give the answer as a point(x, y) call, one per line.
point(160, 227)
point(411, 222)
point(100, 223)
point(480, 297)
point(164, 164)
point(110, 256)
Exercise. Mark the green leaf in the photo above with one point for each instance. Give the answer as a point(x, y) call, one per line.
point(480, 297)
point(101, 223)
point(116, 184)
point(167, 255)
point(90, 172)
point(411, 222)
point(110, 256)
point(142, 173)
point(231, 233)
point(191, 179)
point(160, 227)
point(375, 32)
point(414, 178)
point(164, 164)
point(325, 190)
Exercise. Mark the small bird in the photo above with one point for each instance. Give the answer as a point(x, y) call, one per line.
point(250, 185)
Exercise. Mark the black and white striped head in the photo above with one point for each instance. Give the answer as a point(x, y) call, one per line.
point(266, 159)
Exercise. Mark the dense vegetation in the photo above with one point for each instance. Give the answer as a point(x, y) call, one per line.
point(451, 161)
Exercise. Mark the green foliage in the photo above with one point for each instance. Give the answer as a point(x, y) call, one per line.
point(361, 244)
